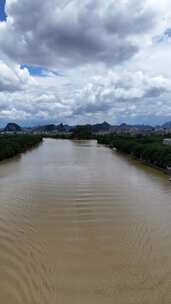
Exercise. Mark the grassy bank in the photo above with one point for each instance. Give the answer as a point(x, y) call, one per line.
point(11, 145)
point(149, 149)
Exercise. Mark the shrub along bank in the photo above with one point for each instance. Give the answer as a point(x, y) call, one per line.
point(11, 145)
point(147, 148)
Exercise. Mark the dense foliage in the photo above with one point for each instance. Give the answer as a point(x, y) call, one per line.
point(11, 145)
point(79, 132)
point(82, 132)
point(147, 148)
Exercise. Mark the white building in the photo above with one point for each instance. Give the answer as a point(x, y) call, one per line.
point(167, 141)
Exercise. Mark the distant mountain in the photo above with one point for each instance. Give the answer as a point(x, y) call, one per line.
point(124, 125)
point(103, 127)
point(63, 128)
point(12, 127)
point(53, 128)
point(46, 128)
point(167, 125)
point(67, 128)
point(95, 128)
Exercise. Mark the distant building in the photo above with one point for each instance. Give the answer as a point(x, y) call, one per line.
point(167, 141)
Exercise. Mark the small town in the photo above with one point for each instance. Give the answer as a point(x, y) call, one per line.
point(97, 129)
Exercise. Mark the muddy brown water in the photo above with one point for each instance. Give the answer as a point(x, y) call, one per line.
point(81, 224)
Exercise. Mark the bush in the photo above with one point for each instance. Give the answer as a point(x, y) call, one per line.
point(148, 148)
point(11, 145)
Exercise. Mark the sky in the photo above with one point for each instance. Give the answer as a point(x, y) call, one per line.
point(86, 61)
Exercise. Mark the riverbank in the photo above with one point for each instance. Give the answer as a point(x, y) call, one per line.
point(12, 145)
point(77, 211)
point(148, 149)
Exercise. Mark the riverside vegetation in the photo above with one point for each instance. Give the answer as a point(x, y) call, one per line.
point(11, 145)
point(149, 149)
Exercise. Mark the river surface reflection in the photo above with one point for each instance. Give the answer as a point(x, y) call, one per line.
point(81, 224)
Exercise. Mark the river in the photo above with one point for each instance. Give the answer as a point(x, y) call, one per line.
point(82, 224)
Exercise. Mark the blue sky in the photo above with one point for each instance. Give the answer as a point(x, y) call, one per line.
point(39, 71)
point(85, 61)
point(35, 70)
point(2, 10)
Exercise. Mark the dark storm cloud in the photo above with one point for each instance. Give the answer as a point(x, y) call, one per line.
point(48, 34)
point(92, 43)
point(155, 92)
point(132, 20)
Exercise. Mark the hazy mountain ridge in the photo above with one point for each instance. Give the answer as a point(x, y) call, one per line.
point(12, 127)
point(167, 125)
point(64, 128)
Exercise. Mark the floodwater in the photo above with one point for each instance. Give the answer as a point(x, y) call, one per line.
point(82, 224)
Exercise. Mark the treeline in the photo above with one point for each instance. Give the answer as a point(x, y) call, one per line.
point(78, 132)
point(11, 145)
point(147, 148)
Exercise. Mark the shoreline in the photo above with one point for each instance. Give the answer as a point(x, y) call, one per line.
point(14, 145)
point(144, 162)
